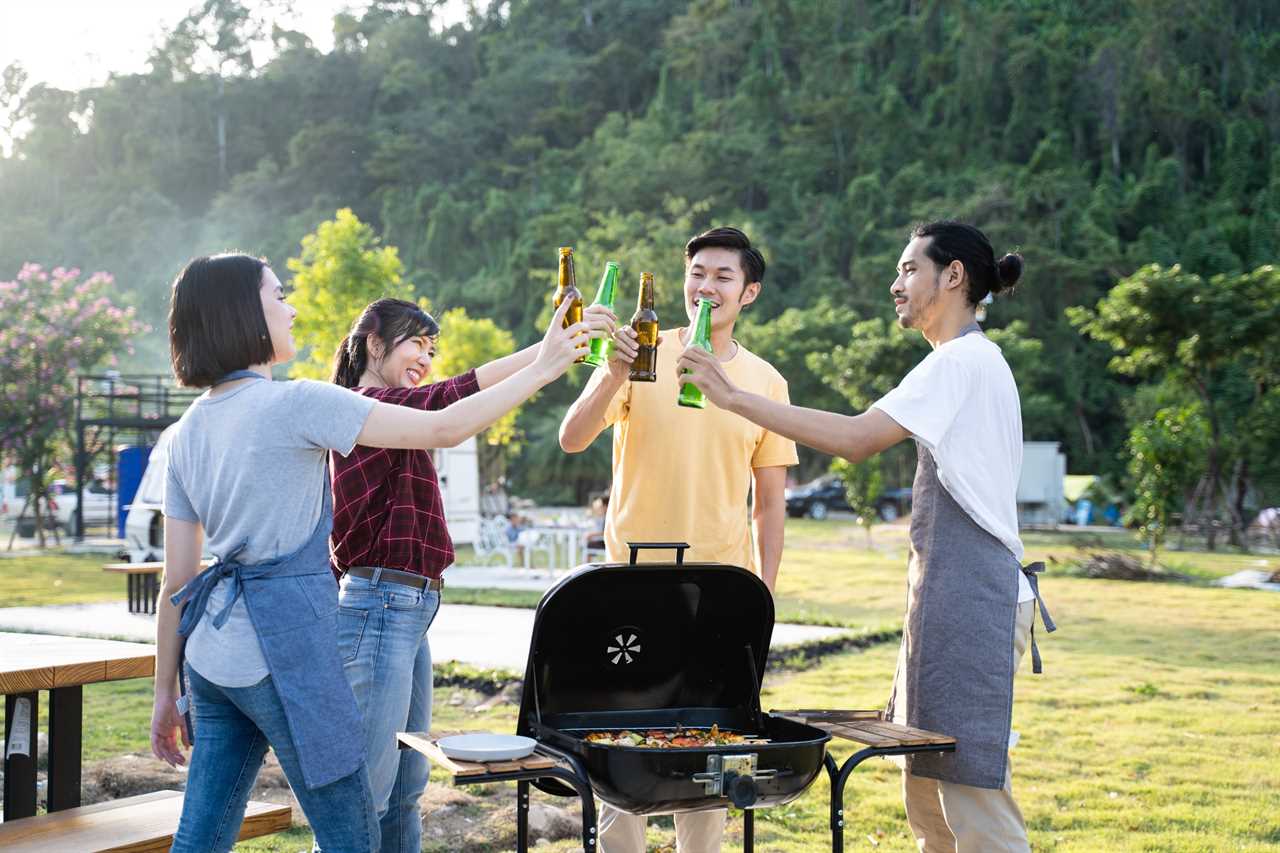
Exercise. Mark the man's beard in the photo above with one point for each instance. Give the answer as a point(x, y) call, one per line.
point(913, 317)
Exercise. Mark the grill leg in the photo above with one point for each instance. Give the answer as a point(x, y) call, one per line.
point(65, 715)
point(748, 831)
point(131, 583)
point(20, 770)
point(837, 804)
point(522, 816)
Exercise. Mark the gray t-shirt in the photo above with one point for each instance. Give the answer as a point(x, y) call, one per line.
point(248, 466)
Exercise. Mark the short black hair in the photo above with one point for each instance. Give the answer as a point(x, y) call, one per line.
point(216, 324)
point(728, 237)
point(958, 241)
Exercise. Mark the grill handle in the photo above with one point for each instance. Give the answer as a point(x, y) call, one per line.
point(679, 547)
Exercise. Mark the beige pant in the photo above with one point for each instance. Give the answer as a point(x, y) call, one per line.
point(948, 817)
point(696, 832)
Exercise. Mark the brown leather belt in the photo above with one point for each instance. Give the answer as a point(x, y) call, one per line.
point(398, 577)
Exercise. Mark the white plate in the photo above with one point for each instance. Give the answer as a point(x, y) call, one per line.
point(487, 747)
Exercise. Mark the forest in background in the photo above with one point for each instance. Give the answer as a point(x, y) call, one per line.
point(1094, 137)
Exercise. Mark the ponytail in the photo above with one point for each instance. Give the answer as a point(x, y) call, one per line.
point(349, 361)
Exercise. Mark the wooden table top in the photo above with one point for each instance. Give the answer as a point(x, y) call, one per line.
point(42, 661)
point(143, 568)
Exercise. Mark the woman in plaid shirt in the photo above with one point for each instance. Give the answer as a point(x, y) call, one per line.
point(390, 547)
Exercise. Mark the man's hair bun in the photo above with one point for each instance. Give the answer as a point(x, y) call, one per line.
point(1008, 271)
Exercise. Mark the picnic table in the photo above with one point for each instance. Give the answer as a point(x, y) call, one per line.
point(142, 582)
point(30, 663)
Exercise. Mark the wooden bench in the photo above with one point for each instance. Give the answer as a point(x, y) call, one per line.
point(142, 824)
point(142, 580)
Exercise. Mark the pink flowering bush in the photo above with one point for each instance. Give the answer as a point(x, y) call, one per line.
point(53, 326)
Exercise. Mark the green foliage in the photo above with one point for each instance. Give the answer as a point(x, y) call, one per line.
point(340, 271)
point(862, 487)
point(56, 327)
point(466, 343)
point(1099, 137)
point(1164, 462)
point(1216, 338)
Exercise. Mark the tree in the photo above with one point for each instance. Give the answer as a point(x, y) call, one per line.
point(66, 326)
point(862, 488)
point(1164, 462)
point(1209, 334)
point(468, 342)
point(340, 271)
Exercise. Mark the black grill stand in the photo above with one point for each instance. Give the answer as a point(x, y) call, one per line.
point(840, 775)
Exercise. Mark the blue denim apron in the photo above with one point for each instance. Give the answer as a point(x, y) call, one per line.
point(293, 605)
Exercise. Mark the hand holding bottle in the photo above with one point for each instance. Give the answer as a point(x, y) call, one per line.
point(562, 345)
point(702, 369)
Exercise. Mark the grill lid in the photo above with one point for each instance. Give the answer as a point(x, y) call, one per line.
point(625, 637)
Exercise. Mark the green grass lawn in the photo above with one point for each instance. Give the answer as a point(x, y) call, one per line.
point(57, 578)
point(1156, 725)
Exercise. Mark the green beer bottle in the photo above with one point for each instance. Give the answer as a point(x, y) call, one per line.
point(568, 289)
point(607, 295)
point(689, 393)
point(645, 322)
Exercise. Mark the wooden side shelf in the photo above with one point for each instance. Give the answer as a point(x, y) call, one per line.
point(868, 728)
point(142, 824)
point(428, 746)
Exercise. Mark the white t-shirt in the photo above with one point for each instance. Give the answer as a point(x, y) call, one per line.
point(962, 404)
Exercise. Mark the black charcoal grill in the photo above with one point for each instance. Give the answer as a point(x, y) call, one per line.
point(661, 646)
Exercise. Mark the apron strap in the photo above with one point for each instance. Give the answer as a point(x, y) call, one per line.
point(237, 374)
point(1031, 571)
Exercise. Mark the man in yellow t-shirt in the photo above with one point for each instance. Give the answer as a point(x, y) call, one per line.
point(683, 474)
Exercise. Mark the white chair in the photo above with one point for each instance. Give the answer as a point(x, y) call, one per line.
point(493, 541)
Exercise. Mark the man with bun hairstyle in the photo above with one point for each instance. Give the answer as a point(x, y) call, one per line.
point(970, 603)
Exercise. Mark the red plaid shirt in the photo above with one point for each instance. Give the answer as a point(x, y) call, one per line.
point(387, 507)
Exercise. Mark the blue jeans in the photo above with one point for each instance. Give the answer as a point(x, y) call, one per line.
point(382, 636)
point(233, 728)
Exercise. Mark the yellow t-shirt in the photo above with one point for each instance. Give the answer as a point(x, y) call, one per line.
point(684, 475)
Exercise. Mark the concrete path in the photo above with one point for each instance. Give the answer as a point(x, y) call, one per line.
point(481, 636)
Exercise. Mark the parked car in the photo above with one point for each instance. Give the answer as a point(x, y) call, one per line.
point(99, 505)
point(823, 495)
point(817, 498)
point(13, 500)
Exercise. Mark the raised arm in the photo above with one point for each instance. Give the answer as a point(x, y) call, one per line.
point(404, 428)
point(598, 318)
point(853, 437)
point(585, 418)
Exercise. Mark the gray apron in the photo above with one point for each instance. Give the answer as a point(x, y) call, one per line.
point(956, 665)
point(293, 604)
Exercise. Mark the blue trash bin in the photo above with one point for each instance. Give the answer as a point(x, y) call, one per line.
point(131, 463)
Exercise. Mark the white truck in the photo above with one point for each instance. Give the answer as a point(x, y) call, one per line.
point(457, 468)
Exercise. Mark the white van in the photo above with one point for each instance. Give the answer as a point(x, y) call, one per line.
point(144, 524)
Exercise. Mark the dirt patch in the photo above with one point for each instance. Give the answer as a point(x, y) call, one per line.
point(1116, 565)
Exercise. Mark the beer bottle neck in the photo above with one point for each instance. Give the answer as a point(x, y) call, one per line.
point(646, 295)
point(567, 277)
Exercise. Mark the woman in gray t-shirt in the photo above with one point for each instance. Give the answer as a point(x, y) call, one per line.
point(246, 470)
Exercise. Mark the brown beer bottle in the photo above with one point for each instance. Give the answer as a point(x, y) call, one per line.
point(568, 289)
point(645, 322)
